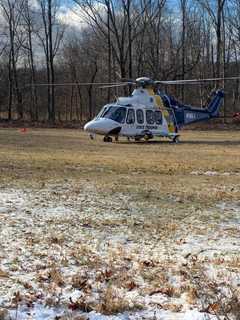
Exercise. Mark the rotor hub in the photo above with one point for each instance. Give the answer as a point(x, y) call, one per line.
point(144, 82)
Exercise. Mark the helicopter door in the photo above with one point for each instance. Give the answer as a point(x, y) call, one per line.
point(129, 127)
point(140, 118)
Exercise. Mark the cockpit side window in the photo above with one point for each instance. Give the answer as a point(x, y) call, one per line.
point(117, 114)
point(130, 116)
point(140, 117)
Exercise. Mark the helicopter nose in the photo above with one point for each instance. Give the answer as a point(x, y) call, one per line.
point(101, 126)
point(89, 126)
point(94, 126)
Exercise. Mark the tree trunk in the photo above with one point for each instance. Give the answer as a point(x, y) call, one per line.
point(109, 52)
point(14, 69)
point(183, 8)
point(10, 88)
point(51, 64)
point(90, 109)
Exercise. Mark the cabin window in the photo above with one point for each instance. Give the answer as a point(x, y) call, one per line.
point(150, 116)
point(158, 117)
point(140, 117)
point(130, 116)
point(116, 114)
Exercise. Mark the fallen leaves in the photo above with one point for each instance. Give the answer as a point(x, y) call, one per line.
point(192, 295)
point(113, 301)
point(80, 304)
point(131, 285)
point(57, 238)
point(4, 314)
point(79, 282)
point(56, 276)
point(113, 256)
point(213, 308)
point(3, 274)
point(169, 291)
point(172, 307)
point(17, 298)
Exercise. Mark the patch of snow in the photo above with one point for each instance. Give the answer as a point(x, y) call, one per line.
point(58, 211)
point(97, 316)
point(37, 312)
point(41, 312)
point(210, 173)
point(13, 198)
point(213, 173)
point(196, 315)
point(55, 226)
point(229, 206)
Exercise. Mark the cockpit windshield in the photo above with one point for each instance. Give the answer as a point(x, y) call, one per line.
point(101, 112)
point(115, 113)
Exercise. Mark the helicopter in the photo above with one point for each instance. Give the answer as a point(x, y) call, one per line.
point(148, 112)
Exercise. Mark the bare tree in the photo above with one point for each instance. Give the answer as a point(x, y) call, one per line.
point(12, 11)
point(215, 11)
point(50, 36)
point(28, 46)
point(127, 37)
point(233, 33)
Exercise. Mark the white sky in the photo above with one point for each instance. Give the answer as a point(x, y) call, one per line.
point(71, 16)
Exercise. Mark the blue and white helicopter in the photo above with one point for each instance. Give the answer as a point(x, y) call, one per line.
point(149, 113)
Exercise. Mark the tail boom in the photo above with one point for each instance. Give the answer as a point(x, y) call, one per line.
point(185, 114)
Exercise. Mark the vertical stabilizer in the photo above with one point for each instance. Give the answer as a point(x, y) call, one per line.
point(215, 104)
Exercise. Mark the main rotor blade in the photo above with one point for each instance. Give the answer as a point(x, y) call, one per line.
point(124, 84)
point(195, 81)
point(69, 84)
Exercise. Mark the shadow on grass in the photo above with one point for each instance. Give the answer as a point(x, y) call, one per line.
point(185, 142)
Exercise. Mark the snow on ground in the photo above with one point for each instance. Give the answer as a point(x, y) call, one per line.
point(214, 173)
point(70, 249)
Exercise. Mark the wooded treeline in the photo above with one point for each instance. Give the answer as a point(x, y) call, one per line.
point(162, 39)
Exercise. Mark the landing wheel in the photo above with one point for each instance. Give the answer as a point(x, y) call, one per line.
point(147, 137)
point(107, 139)
point(176, 139)
point(91, 136)
point(137, 138)
point(116, 138)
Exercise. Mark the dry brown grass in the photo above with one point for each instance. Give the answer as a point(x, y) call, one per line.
point(153, 171)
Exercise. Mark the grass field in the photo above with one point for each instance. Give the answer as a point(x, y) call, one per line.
point(151, 229)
